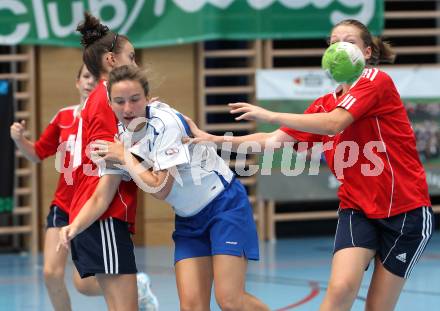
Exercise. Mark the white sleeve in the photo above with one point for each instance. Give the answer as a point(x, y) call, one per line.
point(168, 150)
point(103, 170)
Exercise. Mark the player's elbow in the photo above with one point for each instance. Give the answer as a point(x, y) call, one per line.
point(151, 185)
point(336, 121)
point(159, 190)
point(271, 141)
point(163, 185)
point(334, 128)
point(156, 183)
point(35, 159)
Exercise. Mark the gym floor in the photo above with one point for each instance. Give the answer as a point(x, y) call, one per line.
point(291, 275)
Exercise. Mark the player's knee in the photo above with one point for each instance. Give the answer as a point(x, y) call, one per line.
point(370, 306)
point(341, 291)
point(87, 287)
point(190, 302)
point(229, 301)
point(379, 304)
point(53, 276)
point(81, 286)
point(192, 306)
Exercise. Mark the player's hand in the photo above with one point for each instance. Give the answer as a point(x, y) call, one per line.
point(251, 112)
point(67, 233)
point(199, 136)
point(109, 151)
point(17, 130)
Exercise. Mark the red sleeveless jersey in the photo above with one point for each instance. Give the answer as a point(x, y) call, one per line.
point(99, 122)
point(385, 176)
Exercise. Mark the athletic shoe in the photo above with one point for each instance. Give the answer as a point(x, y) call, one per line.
point(147, 301)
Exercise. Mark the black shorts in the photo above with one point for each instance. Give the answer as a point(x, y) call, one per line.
point(104, 247)
point(56, 218)
point(399, 240)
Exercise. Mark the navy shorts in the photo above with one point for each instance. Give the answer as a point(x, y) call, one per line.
point(104, 247)
point(56, 218)
point(224, 227)
point(399, 241)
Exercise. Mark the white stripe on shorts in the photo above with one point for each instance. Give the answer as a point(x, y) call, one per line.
point(109, 245)
point(351, 230)
point(104, 252)
point(336, 235)
point(54, 216)
point(112, 229)
point(426, 234)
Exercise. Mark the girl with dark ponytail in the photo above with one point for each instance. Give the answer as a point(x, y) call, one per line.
point(101, 238)
point(103, 48)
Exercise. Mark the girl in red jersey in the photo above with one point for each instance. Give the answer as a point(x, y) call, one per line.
point(61, 131)
point(385, 211)
point(103, 247)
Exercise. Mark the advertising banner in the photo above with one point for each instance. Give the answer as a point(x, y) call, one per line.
point(168, 22)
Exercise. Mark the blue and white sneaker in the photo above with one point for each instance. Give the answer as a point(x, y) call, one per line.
point(147, 301)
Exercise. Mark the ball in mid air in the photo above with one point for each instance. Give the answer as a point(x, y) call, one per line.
point(343, 61)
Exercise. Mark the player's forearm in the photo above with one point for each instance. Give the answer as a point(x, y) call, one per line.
point(141, 174)
point(98, 203)
point(234, 142)
point(91, 211)
point(316, 123)
point(28, 149)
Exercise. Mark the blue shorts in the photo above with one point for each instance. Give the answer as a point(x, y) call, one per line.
point(105, 247)
point(56, 218)
point(224, 227)
point(399, 241)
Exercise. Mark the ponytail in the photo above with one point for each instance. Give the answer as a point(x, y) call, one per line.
point(382, 52)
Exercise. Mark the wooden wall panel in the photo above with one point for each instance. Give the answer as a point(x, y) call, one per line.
point(159, 232)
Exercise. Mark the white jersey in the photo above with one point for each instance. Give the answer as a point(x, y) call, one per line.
point(199, 170)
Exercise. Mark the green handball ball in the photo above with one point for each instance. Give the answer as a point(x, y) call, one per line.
point(343, 61)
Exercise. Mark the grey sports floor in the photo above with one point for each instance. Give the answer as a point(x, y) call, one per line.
point(291, 275)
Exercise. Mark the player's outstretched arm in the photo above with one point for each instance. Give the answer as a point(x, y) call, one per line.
point(327, 123)
point(272, 139)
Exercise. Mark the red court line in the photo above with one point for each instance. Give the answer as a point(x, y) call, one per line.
point(314, 286)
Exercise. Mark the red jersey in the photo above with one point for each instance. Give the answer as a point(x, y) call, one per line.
point(99, 122)
point(382, 174)
point(62, 129)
